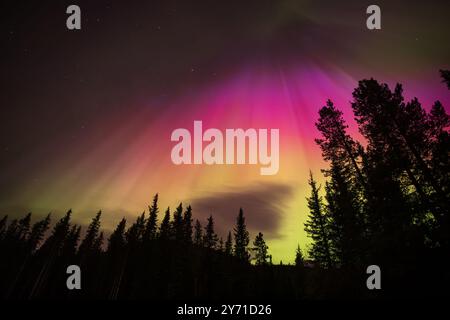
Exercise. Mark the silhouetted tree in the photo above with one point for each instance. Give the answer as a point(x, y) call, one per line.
point(70, 245)
point(229, 244)
point(344, 225)
point(134, 234)
point(177, 224)
point(49, 251)
point(198, 234)
point(396, 131)
point(87, 245)
point(151, 225)
point(220, 246)
point(116, 241)
point(317, 227)
point(187, 224)
point(299, 260)
point(54, 242)
point(37, 233)
point(260, 248)
point(241, 238)
point(165, 228)
point(210, 238)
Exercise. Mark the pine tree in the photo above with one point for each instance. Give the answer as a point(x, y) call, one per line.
point(53, 244)
point(37, 233)
point(317, 227)
point(241, 238)
point(198, 234)
point(23, 227)
point(87, 245)
point(152, 221)
point(229, 244)
point(116, 241)
point(135, 233)
point(299, 260)
point(98, 243)
point(177, 223)
point(397, 133)
point(165, 228)
point(69, 248)
point(187, 225)
point(345, 228)
point(336, 145)
point(51, 249)
point(220, 246)
point(210, 238)
point(260, 248)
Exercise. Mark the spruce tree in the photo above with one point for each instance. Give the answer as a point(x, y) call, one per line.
point(187, 225)
point(37, 233)
point(152, 221)
point(299, 260)
point(198, 234)
point(260, 248)
point(241, 238)
point(69, 248)
point(87, 245)
point(210, 238)
point(165, 228)
point(54, 242)
point(177, 224)
point(317, 227)
point(116, 241)
point(229, 244)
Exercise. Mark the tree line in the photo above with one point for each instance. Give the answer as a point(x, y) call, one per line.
point(34, 262)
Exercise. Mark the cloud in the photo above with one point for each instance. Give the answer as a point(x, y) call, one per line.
point(263, 204)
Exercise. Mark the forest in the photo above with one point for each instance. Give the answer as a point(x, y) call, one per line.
point(385, 202)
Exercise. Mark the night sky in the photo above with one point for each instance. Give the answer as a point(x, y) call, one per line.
point(86, 115)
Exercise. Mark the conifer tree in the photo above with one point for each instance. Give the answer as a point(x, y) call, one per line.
point(37, 233)
point(165, 228)
point(229, 244)
point(69, 248)
point(134, 234)
point(345, 229)
point(87, 245)
point(177, 223)
point(54, 242)
point(317, 227)
point(116, 241)
point(397, 132)
point(98, 243)
point(241, 238)
point(187, 225)
point(210, 238)
point(299, 260)
point(198, 233)
point(260, 248)
point(23, 227)
point(152, 221)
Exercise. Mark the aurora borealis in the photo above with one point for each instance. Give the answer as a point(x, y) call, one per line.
point(87, 115)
